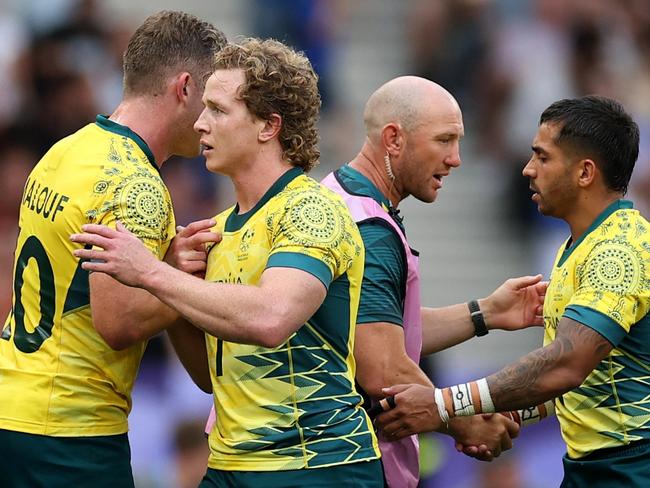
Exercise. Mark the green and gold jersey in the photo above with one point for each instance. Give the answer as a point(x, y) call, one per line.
point(603, 282)
point(294, 406)
point(57, 375)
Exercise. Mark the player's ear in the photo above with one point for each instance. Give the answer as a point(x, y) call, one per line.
point(587, 172)
point(183, 86)
point(391, 138)
point(271, 128)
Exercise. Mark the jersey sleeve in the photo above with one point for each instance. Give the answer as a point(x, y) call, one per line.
point(142, 204)
point(384, 276)
point(612, 292)
point(314, 232)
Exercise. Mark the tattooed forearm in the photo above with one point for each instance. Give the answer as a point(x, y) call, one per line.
point(550, 371)
point(518, 385)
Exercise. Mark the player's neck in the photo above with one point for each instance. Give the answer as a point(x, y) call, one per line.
point(368, 164)
point(146, 120)
point(252, 183)
point(587, 211)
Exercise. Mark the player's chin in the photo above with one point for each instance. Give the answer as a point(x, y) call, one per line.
point(429, 196)
point(192, 152)
point(212, 164)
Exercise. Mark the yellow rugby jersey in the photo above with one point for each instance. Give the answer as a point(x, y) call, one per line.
point(603, 282)
point(57, 375)
point(294, 406)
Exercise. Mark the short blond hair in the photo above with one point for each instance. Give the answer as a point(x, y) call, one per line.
point(169, 41)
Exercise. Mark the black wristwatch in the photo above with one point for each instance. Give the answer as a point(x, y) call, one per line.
point(480, 328)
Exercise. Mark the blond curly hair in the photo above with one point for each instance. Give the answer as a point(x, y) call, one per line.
point(279, 81)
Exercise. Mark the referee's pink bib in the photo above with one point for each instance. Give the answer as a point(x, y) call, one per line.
point(399, 458)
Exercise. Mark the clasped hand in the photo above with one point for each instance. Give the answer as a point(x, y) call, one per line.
point(483, 437)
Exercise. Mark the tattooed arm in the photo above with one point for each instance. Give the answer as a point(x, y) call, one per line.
point(549, 372)
point(537, 377)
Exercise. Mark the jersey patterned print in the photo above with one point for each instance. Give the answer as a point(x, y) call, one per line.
point(294, 406)
point(603, 282)
point(57, 375)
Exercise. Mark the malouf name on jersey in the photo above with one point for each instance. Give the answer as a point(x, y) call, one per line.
point(43, 200)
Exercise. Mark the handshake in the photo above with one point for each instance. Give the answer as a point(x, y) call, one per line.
point(483, 436)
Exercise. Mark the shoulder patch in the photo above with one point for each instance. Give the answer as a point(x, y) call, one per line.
point(615, 266)
point(141, 205)
point(312, 217)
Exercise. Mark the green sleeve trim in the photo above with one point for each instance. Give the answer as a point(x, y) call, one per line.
point(598, 321)
point(295, 260)
point(388, 320)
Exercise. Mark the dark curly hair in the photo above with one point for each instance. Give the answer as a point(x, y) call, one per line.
point(279, 81)
point(167, 41)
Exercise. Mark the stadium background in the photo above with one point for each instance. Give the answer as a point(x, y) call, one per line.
point(504, 60)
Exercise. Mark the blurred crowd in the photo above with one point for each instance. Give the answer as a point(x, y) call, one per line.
point(504, 60)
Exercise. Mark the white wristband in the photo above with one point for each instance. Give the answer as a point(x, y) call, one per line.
point(440, 403)
point(461, 398)
point(487, 405)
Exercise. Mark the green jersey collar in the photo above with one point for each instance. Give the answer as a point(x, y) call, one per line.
point(122, 130)
point(357, 183)
point(613, 207)
point(235, 221)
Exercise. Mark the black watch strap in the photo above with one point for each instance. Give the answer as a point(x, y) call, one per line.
point(480, 328)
